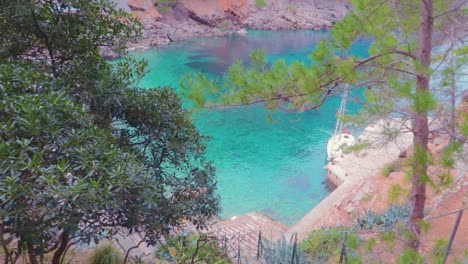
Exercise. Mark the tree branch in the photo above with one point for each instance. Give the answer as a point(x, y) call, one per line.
point(64, 239)
point(130, 249)
point(450, 11)
point(46, 40)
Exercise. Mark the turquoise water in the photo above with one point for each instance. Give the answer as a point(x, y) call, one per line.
point(272, 167)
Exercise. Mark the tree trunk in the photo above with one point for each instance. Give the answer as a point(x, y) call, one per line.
point(64, 239)
point(420, 126)
point(31, 255)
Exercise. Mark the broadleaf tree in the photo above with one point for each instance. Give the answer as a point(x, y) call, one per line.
point(84, 153)
point(396, 74)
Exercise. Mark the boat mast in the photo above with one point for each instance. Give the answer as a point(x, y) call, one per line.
point(341, 112)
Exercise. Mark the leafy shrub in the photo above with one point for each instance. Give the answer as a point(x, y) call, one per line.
point(392, 167)
point(106, 254)
point(188, 246)
point(260, 3)
point(324, 245)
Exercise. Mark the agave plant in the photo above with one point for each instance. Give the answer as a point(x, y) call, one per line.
point(369, 220)
point(395, 214)
point(282, 252)
point(390, 218)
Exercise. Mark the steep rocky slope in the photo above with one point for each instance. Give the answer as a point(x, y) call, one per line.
point(172, 20)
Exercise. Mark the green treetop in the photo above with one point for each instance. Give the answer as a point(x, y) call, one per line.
point(83, 153)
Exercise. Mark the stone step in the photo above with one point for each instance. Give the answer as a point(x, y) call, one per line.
point(246, 228)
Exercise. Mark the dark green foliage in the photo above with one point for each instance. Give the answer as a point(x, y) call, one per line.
point(83, 153)
point(58, 31)
point(189, 247)
point(106, 254)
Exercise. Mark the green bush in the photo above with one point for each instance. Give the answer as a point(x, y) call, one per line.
point(260, 3)
point(106, 254)
point(392, 167)
point(324, 245)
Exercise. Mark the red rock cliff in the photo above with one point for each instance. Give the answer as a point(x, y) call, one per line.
point(182, 19)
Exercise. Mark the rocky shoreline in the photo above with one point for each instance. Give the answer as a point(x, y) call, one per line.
point(170, 21)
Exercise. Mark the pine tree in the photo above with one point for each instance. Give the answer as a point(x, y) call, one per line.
point(397, 73)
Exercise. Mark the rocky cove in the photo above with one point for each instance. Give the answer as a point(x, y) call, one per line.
point(167, 21)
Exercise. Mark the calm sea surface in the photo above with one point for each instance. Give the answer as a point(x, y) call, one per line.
point(271, 167)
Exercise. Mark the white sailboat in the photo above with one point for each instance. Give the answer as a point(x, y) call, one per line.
point(341, 139)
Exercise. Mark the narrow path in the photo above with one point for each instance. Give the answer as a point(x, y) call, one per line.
point(351, 171)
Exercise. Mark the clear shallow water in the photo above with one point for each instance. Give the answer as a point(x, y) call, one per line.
point(272, 167)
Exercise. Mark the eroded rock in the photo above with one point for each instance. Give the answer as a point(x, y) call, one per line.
point(190, 19)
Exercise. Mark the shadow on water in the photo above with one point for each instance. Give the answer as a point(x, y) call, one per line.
point(212, 67)
point(230, 49)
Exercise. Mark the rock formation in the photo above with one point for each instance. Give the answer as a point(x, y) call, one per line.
point(174, 20)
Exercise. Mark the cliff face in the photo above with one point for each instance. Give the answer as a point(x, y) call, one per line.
point(173, 20)
point(278, 14)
